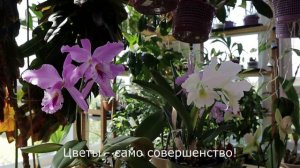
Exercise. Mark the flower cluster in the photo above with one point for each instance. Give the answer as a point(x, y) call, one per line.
point(93, 68)
point(216, 84)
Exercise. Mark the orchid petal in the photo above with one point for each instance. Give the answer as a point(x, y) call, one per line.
point(45, 77)
point(71, 75)
point(52, 101)
point(78, 54)
point(116, 70)
point(86, 90)
point(68, 60)
point(105, 89)
point(78, 98)
point(107, 52)
point(86, 44)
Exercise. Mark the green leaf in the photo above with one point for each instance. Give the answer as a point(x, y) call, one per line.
point(161, 81)
point(171, 99)
point(214, 133)
point(123, 142)
point(240, 48)
point(263, 8)
point(63, 158)
point(42, 148)
point(38, 14)
point(154, 124)
point(221, 14)
point(60, 134)
point(291, 93)
point(296, 51)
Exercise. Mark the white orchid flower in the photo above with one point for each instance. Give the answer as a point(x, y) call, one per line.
point(234, 91)
point(252, 141)
point(198, 93)
point(218, 77)
point(284, 125)
point(201, 88)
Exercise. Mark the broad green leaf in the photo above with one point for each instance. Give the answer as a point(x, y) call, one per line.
point(161, 81)
point(60, 134)
point(152, 126)
point(123, 142)
point(171, 99)
point(221, 14)
point(263, 8)
point(42, 148)
point(291, 93)
point(60, 159)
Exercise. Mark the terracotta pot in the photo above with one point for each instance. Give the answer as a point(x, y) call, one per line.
point(154, 7)
point(108, 105)
point(192, 22)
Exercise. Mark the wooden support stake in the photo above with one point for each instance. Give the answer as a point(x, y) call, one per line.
point(103, 125)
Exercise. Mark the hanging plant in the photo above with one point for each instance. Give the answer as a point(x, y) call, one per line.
point(287, 18)
point(154, 7)
point(193, 21)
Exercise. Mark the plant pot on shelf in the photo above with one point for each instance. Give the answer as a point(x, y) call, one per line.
point(107, 105)
point(251, 20)
point(193, 21)
point(287, 18)
point(229, 24)
point(154, 7)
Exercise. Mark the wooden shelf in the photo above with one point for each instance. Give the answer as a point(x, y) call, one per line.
point(254, 73)
point(241, 30)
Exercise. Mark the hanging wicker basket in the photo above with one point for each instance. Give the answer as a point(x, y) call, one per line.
point(193, 21)
point(287, 14)
point(154, 7)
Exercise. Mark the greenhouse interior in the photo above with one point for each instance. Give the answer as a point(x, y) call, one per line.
point(149, 83)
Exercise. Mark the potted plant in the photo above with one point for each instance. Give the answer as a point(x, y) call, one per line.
point(109, 102)
point(154, 7)
point(251, 18)
point(231, 49)
point(252, 63)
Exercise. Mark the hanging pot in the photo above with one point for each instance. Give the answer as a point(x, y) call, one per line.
point(287, 18)
point(287, 30)
point(193, 21)
point(154, 7)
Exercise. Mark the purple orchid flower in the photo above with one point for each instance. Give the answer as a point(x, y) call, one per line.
point(48, 79)
point(217, 112)
point(97, 67)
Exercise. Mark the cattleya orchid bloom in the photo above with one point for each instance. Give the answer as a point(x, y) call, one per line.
point(216, 82)
point(219, 110)
point(97, 67)
point(48, 79)
point(284, 125)
point(252, 141)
